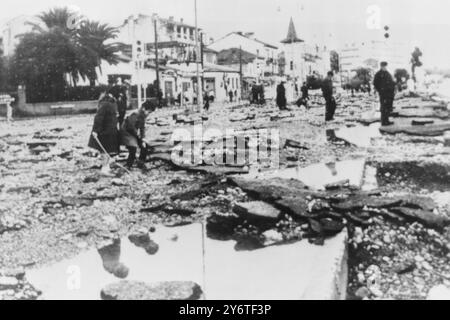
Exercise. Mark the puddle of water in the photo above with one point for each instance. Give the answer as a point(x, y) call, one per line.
point(277, 272)
point(84, 276)
point(360, 136)
point(370, 181)
point(318, 175)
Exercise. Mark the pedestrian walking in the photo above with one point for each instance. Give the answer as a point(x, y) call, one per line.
point(105, 135)
point(281, 96)
point(385, 86)
point(330, 102)
point(132, 134)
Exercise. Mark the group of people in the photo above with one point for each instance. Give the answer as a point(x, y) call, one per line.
point(111, 129)
point(327, 91)
point(383, 82)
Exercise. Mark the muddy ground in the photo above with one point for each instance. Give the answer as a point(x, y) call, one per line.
point(54, 204)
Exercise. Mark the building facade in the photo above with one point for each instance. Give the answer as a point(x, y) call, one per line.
point(369, 55)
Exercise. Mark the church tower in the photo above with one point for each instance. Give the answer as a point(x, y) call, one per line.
point(293, 50)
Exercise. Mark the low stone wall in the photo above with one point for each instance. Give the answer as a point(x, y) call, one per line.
point(55, 108)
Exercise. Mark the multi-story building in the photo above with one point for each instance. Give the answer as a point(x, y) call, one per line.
point(302, 59)
point(370, 53)
point(11, 31)
point(177, 56)
point(265, 52)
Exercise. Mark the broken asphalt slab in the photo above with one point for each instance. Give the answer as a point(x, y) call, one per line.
point(425, 130)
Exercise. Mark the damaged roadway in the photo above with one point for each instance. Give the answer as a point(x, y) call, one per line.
point(55, 205)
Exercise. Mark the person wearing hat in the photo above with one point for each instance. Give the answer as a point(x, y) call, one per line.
point(385, 86)
point(327, 92)
point(132, 133)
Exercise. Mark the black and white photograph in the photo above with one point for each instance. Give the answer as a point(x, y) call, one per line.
point(210, 150)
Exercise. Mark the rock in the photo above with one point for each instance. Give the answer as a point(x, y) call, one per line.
point(18, 273)
point(440, 292)
point(134, 290)
point(361, 278)
point(427, 130)
point(405, 267)
point(337, 185)
point(421, 122)
point(362, 293)
point(358, 235)
point(118, 182)
point(428, 218)
point(142, 239)
point(257, 210)
point(7, 283)
point(272, 237)
point(375, 290)
point(294, 144)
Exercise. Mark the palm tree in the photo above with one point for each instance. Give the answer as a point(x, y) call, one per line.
point(94, 40)
point(91, 41)
point(57, 18)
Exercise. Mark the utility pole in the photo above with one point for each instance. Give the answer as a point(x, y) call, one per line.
point(201, 57)
point(240, 71)
point(156, 60)
point(197, 63)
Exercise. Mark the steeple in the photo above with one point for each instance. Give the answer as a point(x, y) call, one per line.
point(292, 34)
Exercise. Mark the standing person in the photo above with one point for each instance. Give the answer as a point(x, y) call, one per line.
point(254, 94)
point(132, 134)
point(305, 96)
point(230, 95)
point(327, 91)
point(385, 86)
point(206, 100)
point(105, 130)
point(119, 92)
point(281, 96)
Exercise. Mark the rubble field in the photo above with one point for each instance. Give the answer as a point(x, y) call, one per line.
point(387, 187)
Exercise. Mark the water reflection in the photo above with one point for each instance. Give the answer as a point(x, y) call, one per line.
point(111, 260)
point(317, 176)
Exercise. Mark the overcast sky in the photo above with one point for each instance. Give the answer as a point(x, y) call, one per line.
point(333, 22)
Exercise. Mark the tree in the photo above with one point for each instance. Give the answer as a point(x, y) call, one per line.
point(41, 62)
point(54, 50)
point(334, 61)
point(415, 62)
point(92, 38)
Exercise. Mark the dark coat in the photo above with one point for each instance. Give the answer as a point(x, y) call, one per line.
point(120, 94)
point(133, 129)
point(105, 124)
point(281, 96)
point(305, 93)
point(327, 88)
point(384, 84)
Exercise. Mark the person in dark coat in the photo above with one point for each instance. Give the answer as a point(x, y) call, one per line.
point(303, 101)
point(254, 94)
point(385, 86)
point(327, 92)
point(230, 94)
point(281, 96)
point(132, 133)
point(105, 130)
point(119, 92)
point(206, 100)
